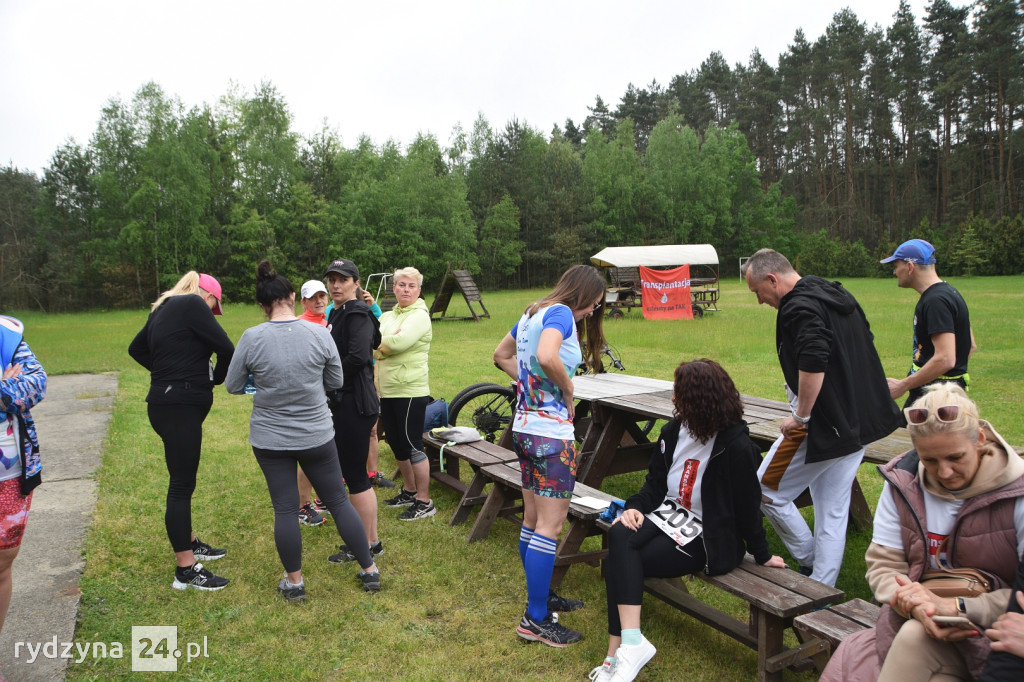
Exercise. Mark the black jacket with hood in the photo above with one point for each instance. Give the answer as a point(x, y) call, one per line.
point(820, 327)
point(356, 332)
point(729, 492)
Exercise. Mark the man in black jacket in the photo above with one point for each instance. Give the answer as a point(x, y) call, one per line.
point(840, 402)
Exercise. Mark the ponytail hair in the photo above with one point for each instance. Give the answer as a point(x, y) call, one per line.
point(188, 284)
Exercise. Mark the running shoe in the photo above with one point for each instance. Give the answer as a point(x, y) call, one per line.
point(370, 580)
point(309, 517)
point(418, 510)
point(379, 480)
point(203, 552)
point(321, 508)
point(547, 631)
point(198, 578)
point(404, 498)
point(557, 603)
point(346, 553)
point(292, 592)
point(602, 673)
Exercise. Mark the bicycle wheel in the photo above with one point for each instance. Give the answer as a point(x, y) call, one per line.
point(486, 407)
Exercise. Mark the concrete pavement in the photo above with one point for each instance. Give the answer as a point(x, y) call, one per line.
point(72, 421)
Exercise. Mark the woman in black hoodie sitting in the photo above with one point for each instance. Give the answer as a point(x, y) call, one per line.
point(699, 509)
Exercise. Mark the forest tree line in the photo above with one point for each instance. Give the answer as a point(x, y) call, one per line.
point(845, 147)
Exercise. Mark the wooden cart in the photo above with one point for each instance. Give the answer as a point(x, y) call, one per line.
point(623, 267)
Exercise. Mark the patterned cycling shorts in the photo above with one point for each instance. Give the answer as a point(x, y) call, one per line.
point(548, 464)
point(13, 513)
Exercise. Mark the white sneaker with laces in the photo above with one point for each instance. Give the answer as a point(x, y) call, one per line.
point(629, 660)
point(602, 673)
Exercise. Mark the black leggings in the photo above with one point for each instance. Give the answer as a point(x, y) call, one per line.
point(647, 553)
point(403, 426)
point(181, 429)
point(320, 465)
point(352, 438)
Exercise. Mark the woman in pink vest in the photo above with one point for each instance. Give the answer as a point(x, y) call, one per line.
point(956, 501)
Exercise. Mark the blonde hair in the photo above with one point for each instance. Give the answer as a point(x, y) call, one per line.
point(188, 284)
point(939, 395)
point(411, 273)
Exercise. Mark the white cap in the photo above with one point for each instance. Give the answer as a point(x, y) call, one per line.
point(312, 287)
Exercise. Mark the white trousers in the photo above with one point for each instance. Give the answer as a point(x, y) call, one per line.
point(784, 474)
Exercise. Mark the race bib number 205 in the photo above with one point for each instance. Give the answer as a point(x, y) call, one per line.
point(681, 524)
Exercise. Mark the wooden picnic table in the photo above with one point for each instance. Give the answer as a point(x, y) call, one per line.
point(613, 443)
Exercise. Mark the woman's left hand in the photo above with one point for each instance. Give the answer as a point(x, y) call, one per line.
point(776, 562)
point(12, 371)
point(631, 519)
point(920, 603)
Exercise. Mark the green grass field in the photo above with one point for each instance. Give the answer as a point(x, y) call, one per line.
point(448, 609)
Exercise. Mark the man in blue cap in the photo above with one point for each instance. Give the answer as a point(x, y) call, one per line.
point(943, 338)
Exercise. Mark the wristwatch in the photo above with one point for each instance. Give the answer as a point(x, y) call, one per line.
point(802, 420)
point(961, 605)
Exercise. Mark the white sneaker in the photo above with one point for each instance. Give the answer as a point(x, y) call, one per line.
point(602, 673)
point(629, 660)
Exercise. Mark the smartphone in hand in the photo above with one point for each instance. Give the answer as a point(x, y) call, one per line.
point(958, 622)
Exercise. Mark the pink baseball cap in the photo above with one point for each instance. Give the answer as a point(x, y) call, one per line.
point(210, 284)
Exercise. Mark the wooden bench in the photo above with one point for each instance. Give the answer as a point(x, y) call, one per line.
point(444, 468)
point(775, 596)
point(833, 625)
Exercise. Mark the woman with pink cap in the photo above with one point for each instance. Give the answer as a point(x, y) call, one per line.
point(176, 346)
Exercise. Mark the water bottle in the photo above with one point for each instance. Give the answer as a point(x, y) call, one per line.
point(250, 385)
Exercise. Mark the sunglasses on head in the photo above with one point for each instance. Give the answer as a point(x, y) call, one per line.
point(919, 415)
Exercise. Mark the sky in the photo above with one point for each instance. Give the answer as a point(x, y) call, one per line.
point(388, 69)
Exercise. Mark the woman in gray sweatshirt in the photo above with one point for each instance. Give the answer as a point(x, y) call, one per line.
point(293, 364)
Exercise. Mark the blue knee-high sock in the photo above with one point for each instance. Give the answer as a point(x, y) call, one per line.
point(539, 564)
point(525, 535)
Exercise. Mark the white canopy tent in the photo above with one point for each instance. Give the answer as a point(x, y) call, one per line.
point(669, 255)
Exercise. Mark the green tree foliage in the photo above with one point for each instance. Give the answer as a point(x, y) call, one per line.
point(500, 245)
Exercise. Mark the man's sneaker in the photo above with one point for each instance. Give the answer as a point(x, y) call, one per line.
point(557, 603)
point(346, 554)
point(404, 498)
point(321, 508)
point(198, 578)
point(309, 517)
point(418, 510)
point(602, 673)
point(630, 659)
point(547, 631)
point(203, 552)
point(292, 592)
point(379, 480)
point(806, 570)
point(370, 580)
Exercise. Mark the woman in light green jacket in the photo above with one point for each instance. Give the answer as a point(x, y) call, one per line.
point(404, 384)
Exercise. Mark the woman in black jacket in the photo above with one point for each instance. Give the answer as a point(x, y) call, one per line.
point(175, 345)
point(355, 406)
point(697, 511)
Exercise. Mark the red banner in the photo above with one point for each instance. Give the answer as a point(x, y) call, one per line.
point(666, 293)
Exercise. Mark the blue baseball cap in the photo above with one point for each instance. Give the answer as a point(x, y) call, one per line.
point(916, 251)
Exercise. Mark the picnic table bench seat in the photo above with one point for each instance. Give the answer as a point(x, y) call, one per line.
point(834, 624)
point(444, 468)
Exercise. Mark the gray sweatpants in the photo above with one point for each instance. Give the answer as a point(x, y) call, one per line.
point(321, 467)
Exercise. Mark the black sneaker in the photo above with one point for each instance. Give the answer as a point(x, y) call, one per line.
point(309, 517)
point(418, 510)
point(370, 580)
point(198, 578)
point(558, 603)
point(346, 554)
point(321, 508)
point(292, 592)
point(381, 481)
point(547, 631)
point(203, 552)
point(404, 498)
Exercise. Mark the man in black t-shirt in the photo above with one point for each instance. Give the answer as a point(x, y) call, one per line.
point(943, 338)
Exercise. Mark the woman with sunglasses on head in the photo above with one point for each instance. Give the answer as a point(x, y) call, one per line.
point(176, 345)
point(542, 353)
point(955, 501)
